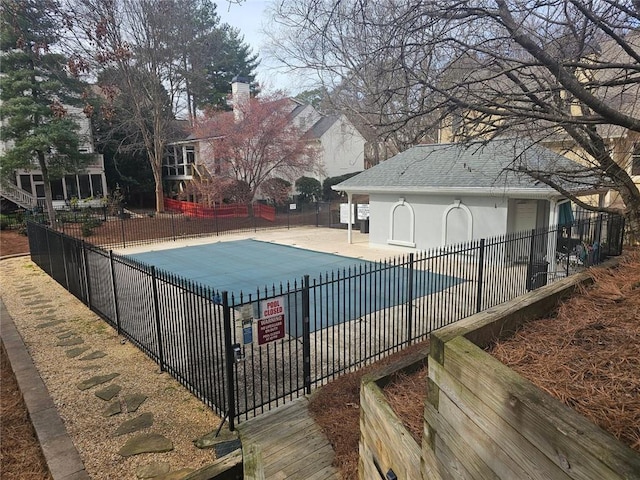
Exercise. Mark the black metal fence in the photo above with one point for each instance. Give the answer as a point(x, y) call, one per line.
point(126, 229)
point(244, 354)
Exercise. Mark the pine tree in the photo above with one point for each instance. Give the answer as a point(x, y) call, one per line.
point(35, 92)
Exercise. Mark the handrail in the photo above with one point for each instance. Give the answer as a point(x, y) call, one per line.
point(17, 195)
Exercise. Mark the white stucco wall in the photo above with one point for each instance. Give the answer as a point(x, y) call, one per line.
point(472, 217)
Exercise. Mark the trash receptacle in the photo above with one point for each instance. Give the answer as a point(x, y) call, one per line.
point(537, 275)
point(364, 226)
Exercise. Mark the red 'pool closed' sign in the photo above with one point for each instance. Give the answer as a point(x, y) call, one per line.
point(271, 325)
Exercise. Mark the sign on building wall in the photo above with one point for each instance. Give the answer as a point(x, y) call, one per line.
point(363, 211)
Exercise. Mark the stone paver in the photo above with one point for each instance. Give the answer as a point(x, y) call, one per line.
point(95, 381)
point(69, 342)
point(94, 355)
point(74, 352)
point(152, 470)
point(51, 323)
point(109, 392)
point(146, 443)
point(114, 408)
point(134, 401)
point(135, 424)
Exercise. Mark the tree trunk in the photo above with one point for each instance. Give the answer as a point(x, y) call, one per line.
point(156, 165)
point(632, 216)
point(48, 196)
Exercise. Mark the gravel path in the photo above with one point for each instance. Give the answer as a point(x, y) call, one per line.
point(50, 321)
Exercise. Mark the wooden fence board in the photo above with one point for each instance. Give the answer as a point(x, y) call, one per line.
point(501, 446)
point(572, 442)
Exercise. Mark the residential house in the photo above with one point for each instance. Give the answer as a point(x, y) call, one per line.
point(340, 144)
point(89, 186)
point(439, 194)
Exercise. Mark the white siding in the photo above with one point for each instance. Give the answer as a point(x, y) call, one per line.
point(342, 149)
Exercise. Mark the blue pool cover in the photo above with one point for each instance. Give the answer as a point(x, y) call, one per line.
point(248, 265)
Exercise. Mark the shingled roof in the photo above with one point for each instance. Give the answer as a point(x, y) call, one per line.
point(477, 167)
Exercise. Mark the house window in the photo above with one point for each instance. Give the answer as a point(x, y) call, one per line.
point(72, 186)
point(25, 183)
point(57, 191)
point(85, 186)
point(635, 160)
point(96, 185)
point(191, 154)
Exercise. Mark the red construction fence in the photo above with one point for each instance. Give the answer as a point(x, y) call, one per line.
point(235, 210)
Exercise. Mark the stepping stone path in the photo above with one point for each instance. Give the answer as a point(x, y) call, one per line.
point(109, 392)
point(135, 424)
point(139, 444)
point(94, 355)
point(146, 443)
point(97, 380)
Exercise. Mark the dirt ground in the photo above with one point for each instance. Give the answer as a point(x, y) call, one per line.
point(12, 243)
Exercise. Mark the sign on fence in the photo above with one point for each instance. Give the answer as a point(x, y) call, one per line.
point(271, 323)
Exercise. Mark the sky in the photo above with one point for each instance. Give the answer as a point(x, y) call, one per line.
point(251, 19)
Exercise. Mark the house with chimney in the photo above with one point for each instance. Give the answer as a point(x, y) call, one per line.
point(340, 145)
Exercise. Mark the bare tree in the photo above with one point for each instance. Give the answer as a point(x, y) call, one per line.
point(361, 80)
point(562, 72)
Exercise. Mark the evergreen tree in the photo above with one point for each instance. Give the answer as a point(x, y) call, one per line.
point(35, 90)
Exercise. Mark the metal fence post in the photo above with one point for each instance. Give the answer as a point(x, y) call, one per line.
point(173, 226)
point(124, 243)
point(306, 336)
point(317, 214)
point(530, 280)
point(480, 276)
point(115, 292)
point(156, 308)
point(215, 216)
point(230, 361)
point(410, 300)
point(85, 264)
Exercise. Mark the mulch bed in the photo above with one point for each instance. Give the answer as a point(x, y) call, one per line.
point(587, 355)
point(21, 456)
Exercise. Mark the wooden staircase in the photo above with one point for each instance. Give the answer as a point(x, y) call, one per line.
point(18, 196)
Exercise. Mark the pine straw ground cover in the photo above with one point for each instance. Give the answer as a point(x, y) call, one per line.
point(336, 408)
point(587, 355)
point(20, 454)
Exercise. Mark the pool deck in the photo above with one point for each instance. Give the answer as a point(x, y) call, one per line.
point(320, 239)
